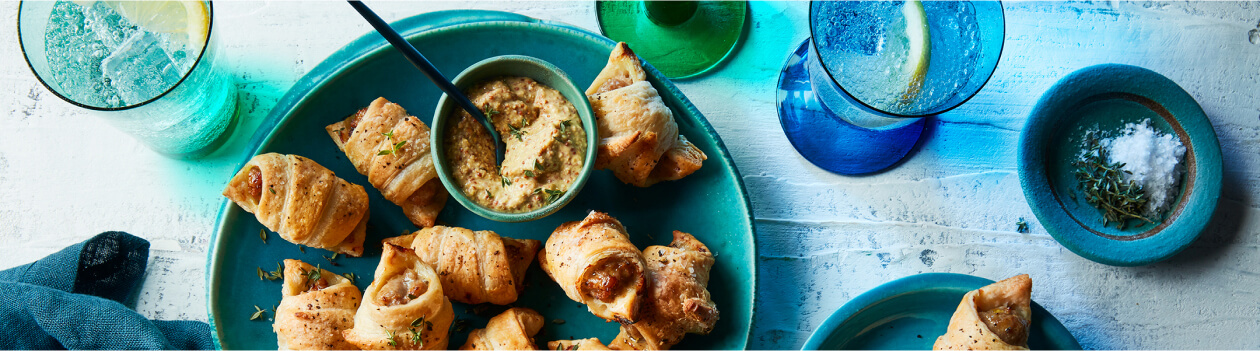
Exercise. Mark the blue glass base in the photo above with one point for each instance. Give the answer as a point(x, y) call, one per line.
point(818, 132)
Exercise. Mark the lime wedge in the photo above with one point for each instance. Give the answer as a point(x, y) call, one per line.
point(920, 49)
point(184, 20)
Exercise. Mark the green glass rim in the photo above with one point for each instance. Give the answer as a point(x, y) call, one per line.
point(599, 24)
point(205, 46)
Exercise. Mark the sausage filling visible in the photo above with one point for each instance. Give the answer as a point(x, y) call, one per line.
point(1009, 327)
point(351, 124)
point(401, 289)
point(255, 182)
point(317, 285)
point(424, 194)
point(609, 279)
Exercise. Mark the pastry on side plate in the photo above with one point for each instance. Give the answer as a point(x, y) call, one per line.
point(474, 267)
point(678, 300)
point(392, 149)
point(595, 263)
point(995, 317)
point(316, 307)
point(583, 344)
point(303, 202)
point(639, 139)
point(513, 329)
point(403, 308)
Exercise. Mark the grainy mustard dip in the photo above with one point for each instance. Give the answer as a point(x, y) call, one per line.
point(546, 145)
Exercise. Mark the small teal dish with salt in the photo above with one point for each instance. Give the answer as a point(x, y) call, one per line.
point(1107, 98)
point(513, 66)
point(911, 312)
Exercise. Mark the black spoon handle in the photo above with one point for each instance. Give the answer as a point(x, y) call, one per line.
point(429, 71)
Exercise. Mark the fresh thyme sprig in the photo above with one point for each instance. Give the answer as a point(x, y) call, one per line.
point(395, 146)
point(553, 195)
point(1104, 186)
point(312, 276)
point(389, 338)
point(519, 133)
point(258, 314)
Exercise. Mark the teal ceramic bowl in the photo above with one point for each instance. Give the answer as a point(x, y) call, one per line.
point(911, 312)
point(512, 66)
point(1106, 98)
point(711, 204)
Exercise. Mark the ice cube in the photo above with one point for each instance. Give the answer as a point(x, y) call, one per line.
point(110, 27)
point(140, 69)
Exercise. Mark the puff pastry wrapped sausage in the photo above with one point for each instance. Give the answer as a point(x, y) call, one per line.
point(595, 263)
point(403, 308)
point(582, 344)
point(303, 202)
point(995, 317)
point(392, 149)
point(317, 306)
point(513, 329)
point(639, 139)
point(678, 301)
point(475, 267)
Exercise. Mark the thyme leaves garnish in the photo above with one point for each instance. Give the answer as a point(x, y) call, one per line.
point(262, 233)
point(529, 173)
point(519, 133)
point(1104, 187)
point(312, 276)
point(389, 338)
point(258, 314)
point(1021, 226)
point(553, 195)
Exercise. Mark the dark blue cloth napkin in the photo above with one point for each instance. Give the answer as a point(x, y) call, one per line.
point(73, 299)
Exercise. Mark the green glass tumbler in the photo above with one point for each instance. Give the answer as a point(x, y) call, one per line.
point(681, 39)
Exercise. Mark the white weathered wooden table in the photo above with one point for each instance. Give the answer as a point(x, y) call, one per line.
point(822, 238)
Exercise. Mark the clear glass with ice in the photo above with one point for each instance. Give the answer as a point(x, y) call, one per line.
point(164, 89)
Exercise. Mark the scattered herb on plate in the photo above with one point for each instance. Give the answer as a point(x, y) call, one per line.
point(258, 314)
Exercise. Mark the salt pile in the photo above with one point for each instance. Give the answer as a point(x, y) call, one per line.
point(1154, 161)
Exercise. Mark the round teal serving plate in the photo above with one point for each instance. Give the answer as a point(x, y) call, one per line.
point(1106, 98)
point(911, 312)
point(711, 203)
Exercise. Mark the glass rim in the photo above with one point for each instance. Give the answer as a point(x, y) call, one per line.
point(205, 46)
point(989, 76)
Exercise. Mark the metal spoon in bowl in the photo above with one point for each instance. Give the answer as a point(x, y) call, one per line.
point(427, 68)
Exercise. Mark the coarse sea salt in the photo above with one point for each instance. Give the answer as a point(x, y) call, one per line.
point(1153, 159)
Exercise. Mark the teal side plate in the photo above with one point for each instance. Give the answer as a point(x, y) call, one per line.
point(1106, 98)
point(911, 312)
point(711, 204)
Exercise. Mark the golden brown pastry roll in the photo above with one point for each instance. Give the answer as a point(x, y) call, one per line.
point(475, 267)
point(595, 263)
point(317, 306)
point(677, 301)
point(583, 344)
point(639, 139)
point(513, 329)
point(303, 202)
point(403, 308)
point(391, 148)
point(995, 317)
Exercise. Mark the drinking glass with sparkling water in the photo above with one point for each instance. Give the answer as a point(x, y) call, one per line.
point(150, 68)
point(853, 97)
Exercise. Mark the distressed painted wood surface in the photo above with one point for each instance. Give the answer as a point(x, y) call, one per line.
point(822, 238)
